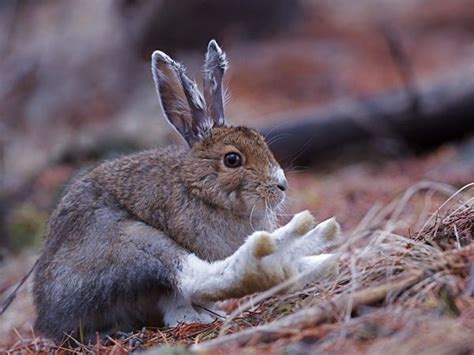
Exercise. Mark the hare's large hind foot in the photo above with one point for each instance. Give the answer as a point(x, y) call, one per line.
point(177, 310)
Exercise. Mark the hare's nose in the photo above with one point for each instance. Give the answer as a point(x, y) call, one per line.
point(280, 178)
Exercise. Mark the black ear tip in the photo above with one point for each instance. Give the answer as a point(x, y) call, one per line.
point(160, 56)
point(213, 46)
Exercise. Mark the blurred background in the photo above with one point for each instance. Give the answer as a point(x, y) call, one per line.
point(360, 99)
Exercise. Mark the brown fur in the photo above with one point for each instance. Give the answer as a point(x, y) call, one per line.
point(115, 240)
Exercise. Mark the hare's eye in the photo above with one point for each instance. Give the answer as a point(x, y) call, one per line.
point(232, 160)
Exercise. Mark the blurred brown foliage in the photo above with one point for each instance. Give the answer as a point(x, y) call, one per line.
point(76, 88)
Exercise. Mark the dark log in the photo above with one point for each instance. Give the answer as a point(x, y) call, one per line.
point(378, 125)
point(172, 25)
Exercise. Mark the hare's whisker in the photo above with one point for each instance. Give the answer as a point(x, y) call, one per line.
point(251, 215)
point(267, 216)
point(303, 150)
point(277, 138)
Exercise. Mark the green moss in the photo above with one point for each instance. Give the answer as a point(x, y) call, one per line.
point(26, 226)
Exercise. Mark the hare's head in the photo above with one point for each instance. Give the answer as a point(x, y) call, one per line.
point(228, 167)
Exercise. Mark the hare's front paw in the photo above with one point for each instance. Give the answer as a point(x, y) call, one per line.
point(264, 260)
point(290, 250)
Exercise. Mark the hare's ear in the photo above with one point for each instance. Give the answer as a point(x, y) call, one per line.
point(182, 103)
point(214, 69)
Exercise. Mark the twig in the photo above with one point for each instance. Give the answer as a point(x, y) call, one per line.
point(393, 38)
point(12, 295)
point(311, 316)
point(458, 192)
point(470, 287)
point(9, 25)
point(217, 315)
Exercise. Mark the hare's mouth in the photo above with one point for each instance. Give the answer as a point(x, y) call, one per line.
point(267, 209)
point(271, 201)
point(276, 200)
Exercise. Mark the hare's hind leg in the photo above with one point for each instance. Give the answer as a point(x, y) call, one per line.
point(115, 284)
point(172, 305)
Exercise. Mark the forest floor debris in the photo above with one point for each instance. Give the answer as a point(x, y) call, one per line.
point(394, 283)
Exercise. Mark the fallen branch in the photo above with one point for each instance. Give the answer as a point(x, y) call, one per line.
point(311, 316)
point(11, 297)
point(385, 124)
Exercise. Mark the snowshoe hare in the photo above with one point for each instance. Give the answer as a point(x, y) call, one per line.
point(141, 240)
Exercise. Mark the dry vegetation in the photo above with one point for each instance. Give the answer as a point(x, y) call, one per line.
point(397, 291)
point(406, 279)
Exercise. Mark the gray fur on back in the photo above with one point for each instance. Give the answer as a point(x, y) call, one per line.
point(114, 242)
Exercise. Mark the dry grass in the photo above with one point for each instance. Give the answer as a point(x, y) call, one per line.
point(405, 285)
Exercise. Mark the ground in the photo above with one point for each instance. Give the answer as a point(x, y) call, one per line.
point(399, 201)
point(406, 278)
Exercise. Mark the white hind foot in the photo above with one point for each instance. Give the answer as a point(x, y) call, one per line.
point(177, 310)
